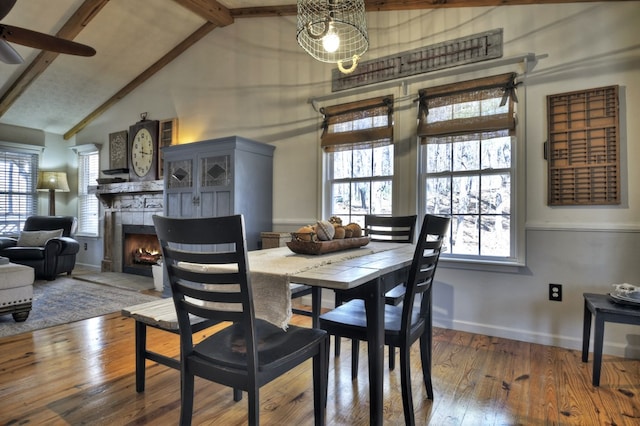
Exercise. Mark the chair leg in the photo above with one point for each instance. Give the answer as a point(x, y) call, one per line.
point(425, 355)
point(405, 383)
point(392, 357)
point(186, 407)
point(320, 379)
point(355, 358)
point(237, 395)
point(254, 405)
point(336, 350)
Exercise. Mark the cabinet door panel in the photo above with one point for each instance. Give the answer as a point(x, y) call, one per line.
point(179, 204)
point(217, 203)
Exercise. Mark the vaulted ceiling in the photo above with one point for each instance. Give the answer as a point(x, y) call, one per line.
point(62, 93)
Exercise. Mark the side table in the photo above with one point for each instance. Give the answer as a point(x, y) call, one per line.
point(603, 309)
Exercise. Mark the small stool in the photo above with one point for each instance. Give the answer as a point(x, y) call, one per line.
point(603, 309)
point(16, 290)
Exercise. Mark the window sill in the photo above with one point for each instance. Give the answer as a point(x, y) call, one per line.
point(79, 234)
point(512, 267)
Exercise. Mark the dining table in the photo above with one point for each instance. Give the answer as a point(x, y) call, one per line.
point(365, 273)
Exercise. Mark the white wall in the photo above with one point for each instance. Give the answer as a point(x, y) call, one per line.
point(253, 80)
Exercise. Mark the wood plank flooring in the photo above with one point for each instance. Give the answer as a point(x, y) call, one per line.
point(83, 374)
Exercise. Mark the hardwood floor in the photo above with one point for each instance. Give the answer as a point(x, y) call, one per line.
point(83, 373)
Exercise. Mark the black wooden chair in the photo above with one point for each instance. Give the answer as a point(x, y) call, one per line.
point(392, 229)
point(250, 352)
point(406, 323)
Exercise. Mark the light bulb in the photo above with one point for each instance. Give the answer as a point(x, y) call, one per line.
point(331, 41)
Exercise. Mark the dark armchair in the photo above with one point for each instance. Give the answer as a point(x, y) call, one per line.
point(48, 252)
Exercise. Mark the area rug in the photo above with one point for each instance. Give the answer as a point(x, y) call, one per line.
point(66, 300)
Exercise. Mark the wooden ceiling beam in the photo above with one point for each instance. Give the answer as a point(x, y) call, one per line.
point(210, 10)
point(389, 5)
point(144, 76)
point(76, 23)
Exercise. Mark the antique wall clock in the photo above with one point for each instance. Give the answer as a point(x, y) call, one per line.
point(143, 147)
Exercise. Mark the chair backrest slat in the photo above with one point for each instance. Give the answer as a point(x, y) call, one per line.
point(397, 229)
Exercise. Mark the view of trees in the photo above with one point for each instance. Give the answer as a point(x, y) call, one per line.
point(362, 183)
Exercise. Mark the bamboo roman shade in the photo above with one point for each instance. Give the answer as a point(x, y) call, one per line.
point(360, 124)
point(464, 110)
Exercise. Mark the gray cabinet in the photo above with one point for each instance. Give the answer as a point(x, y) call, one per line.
point(221, 177)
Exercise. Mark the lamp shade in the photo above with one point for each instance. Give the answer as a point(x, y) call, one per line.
point(56, 181)
point(333, 31)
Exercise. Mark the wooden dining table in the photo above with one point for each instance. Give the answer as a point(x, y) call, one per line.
point(365, 273)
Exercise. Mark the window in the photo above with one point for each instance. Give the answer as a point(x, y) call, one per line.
point(18, 196)
point(358, 140)
point(88, 206)
point(467, 165)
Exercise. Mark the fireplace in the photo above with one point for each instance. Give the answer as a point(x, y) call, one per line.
point(127, 204)
point(140, 249)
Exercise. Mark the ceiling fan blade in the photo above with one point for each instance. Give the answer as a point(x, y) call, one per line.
point(44, 41)
point(8, 54)
point(5, 7)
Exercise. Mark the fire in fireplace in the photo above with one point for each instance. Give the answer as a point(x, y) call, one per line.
point(140, 249)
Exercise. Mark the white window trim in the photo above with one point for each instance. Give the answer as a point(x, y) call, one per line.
point(88, 149)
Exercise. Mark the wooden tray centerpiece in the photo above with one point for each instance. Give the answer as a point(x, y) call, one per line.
point(308, 244)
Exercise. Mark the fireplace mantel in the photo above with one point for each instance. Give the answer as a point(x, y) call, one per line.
point(108, 192)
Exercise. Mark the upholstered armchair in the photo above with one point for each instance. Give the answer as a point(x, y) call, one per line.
point(46, 244)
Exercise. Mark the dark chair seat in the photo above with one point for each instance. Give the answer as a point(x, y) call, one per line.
point(276, 347)
point(354, 316)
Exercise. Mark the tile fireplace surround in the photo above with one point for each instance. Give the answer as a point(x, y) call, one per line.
point(126, 203)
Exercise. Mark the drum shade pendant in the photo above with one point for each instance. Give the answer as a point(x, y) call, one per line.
point(333, 31)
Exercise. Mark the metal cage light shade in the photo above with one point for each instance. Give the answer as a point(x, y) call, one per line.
point(333, 31)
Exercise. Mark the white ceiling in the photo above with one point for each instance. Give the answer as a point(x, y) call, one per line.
point(72, 87)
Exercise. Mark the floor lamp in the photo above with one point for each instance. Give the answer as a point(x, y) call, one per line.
point(52, 182)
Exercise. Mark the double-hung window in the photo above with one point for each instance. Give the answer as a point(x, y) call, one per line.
point(358, 141)
point(468, 165)
point(18, 196)
point(88, 206)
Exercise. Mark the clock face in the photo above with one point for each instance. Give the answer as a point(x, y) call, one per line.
point(142, 153)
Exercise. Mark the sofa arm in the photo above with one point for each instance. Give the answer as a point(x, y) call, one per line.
point(62, 246)
point(6, 242)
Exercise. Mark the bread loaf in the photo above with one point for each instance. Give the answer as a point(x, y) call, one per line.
point(305, 233)
point(356, 230)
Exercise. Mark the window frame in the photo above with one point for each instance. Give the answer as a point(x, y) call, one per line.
point(370, 138)
point(330, 180)
point(516, 257)
point(34, 159)
point(84, 197)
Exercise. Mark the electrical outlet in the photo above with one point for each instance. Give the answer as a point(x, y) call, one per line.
point(555, 292)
